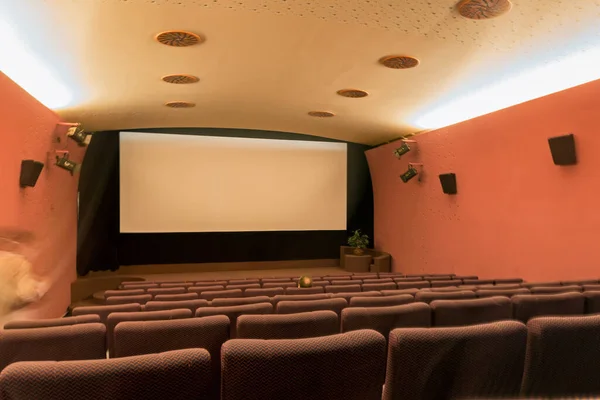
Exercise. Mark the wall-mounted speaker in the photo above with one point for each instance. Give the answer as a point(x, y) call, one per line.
point(448, 182)
point(563, 149)
point(30, 172)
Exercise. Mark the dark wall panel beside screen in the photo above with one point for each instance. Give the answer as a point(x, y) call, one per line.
point(173, 248)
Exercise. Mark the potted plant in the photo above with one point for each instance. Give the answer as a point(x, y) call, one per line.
point(359, 242)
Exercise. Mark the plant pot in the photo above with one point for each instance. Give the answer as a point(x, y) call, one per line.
point(358, 251)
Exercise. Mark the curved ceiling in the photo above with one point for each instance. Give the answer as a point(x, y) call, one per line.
point(265, 64)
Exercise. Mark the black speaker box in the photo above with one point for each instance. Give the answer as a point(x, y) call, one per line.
point(563, 149)
point(30, 172)
point(448, 182)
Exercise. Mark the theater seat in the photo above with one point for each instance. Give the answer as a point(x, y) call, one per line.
point(563, 357)
point(146, 337)
point(123, 292)
point(412, 284)
point(243, 286)
point(118, 317)
point(592, 302)
point(310, 290)
point(501, 292)
point(288, 326)
point(104, 311)
point(526, 307)
point(46, 323)
point(239, 301)
point(223, 294)
point(471, 311)
point(200, 289)
point(555, 289)
point(297, 306)
point(351, 295)
point(176, 375)
point(476, 361)
point(176, 297)
point(428, 297)
point(295, 297)
point(270, 292)
point(342, 288)
point(378, 286)
point(140, 299)
point(233, 312)
point(347, 366)
point(384, 319)
point(381, 301)
point(191, 305)
point(58, 343)
point(412, 292)
point(169, 290)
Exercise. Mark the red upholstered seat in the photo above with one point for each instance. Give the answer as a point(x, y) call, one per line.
point(476, 361)
point(104, 311)
point(139, 299)
point(381, 301)
point(58, 343)
point(471, 311)
point(342, 288)
point(563, 357)
point(46, 323)
point(200, 289)
point(366, 287)
point(297, 306)
point(428, 297)
point(233, 312)
point(288, 326)
point(501, 292)
point(124, 292)
point(294, 297)
point(191, 305)
point(384, 319)
point(555, 289)
point(216, 294)
point(176, 297)
point(115, 318)
point(177, 375)
point(310, 290)
point(412, 284)
point(145, 337)
point(347, 366)
point(270, 292)
point(237, 301)
point(526, 307)
point(243, 286)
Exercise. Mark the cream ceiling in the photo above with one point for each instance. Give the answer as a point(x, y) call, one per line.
point(266, 63)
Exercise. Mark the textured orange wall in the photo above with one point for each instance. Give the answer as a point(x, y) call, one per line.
point(46, 212)
point(516, 213)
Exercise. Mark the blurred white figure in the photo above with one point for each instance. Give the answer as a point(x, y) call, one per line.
point(19, 286)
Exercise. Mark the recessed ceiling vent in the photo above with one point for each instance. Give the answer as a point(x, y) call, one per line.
point(180, 104)
point(180, 79)
point(483, 9)
point(353, 93)
point(399, 62)
point(321, 114)
point(179, 38)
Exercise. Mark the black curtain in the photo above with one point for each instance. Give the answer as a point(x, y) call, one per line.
point(98, 224)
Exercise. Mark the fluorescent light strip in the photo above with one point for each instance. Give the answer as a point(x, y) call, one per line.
point(28, 72)
point(576, 69)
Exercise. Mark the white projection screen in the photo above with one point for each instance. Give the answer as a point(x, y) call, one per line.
point(189, 183)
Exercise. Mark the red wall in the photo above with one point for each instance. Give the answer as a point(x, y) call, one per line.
point(46, 213)
point(516, 213)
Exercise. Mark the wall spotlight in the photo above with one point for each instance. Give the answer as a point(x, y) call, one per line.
point(410, 173)
point(62, 161)
point(79, 135)
point(405, 148)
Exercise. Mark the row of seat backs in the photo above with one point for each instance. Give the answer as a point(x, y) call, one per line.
point(552, 356)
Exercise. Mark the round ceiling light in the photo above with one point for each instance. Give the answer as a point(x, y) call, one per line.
point(321, 114)
point(352, 93)
point(179, 38)
point(180, 104)
point(399, 62)
point(483, 9)
point(180, 79)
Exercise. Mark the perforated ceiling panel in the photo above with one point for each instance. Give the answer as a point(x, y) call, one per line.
point(264, 64)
